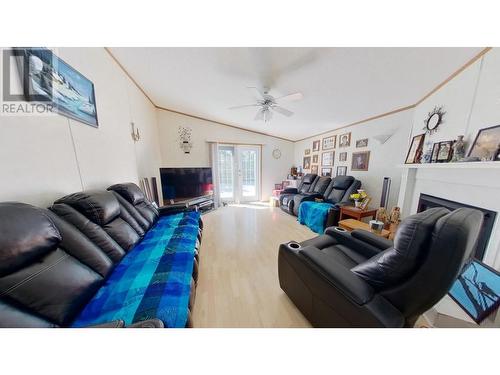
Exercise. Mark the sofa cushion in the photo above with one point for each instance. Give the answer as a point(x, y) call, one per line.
point(130, 191)
point(98, 206)
point(397, 263)
point(26, 233)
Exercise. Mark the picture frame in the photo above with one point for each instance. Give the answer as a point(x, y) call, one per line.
point(445, 152)
point(362, 143)
point(278, 186)
point(415, 150)
point(486, 143)
point(70, 92)
point(343, 156)
point(329, 142)
point(307, 151)
point(315, 159)
point(434, 154)
point(360, 161)
point(314, 169)
point(345, 140)
point(365, 202)
point(327, 158)
point(306, 164)
point(316, 145)
point(326, 172)
point(477, 290)
point(342, 170)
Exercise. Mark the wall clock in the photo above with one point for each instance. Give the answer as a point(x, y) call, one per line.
point(434, 119)
point(276, 153)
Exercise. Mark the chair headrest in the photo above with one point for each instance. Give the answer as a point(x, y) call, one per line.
point(26, 234)
point(309, 178)
point(99, 206)
point(410, 248)
point(342, 182)
point(130, 191)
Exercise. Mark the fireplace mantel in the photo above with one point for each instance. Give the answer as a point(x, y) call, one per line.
point(470, 165)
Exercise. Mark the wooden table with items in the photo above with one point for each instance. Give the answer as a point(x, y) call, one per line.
point(351, 224)
point(356, 213)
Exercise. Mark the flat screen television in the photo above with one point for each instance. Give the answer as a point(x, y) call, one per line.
point(181, 184)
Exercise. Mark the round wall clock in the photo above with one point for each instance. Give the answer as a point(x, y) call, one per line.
point(276, 153)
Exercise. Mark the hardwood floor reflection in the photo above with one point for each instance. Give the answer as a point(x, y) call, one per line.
point(238, 279)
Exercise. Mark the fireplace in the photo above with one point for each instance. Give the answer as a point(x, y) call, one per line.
point(428, 201)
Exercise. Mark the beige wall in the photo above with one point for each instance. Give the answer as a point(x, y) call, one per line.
point(43, 158)
point(273, 170)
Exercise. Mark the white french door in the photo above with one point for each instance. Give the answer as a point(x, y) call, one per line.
point(239, 173)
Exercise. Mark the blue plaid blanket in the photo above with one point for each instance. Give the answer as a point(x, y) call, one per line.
point(314, 215)
point(153, 280)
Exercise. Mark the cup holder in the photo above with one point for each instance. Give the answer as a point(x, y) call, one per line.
point(294, 245)
point(339, 229)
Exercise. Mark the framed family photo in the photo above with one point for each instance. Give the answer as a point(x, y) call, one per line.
point(345, 140)
point(306, 162)
point(342, 171)
point(362, 143)
point(316, 145)
point(343, 156)
point(360, 161)
point(329, 142)
point(415, 150)
point(326, 172)
point(327, 158)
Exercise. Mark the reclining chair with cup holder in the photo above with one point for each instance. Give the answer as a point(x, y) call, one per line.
point(359, 279)
point(306, 184)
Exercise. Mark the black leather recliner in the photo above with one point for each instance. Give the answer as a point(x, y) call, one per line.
point(338, 194)
point(359, 279)
point(306, 184)
point(320, 187)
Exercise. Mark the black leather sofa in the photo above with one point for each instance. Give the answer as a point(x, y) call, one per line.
point(305, 185)
point(335, 191)
point(358, 279)
point(52, 262)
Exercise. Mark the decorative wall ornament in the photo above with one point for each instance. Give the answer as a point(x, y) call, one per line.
point(185, 139)
point(276, 153)
point(136, 136)
point(434, 119)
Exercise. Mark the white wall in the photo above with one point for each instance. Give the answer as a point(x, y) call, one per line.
point(43, 158)
point(273, 170)
point(384, 158)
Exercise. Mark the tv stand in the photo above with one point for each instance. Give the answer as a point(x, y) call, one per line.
point(202, 204)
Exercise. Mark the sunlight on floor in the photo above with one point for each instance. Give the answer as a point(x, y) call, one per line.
point(253, 205)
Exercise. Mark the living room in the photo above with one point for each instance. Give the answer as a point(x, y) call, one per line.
point(193, 184)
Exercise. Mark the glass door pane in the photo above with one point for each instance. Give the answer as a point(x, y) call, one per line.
point(226, 173)
point(249, 170)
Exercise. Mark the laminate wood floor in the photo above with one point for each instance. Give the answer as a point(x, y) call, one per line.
point(238, 276)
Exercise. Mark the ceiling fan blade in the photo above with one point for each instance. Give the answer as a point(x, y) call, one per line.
point(259, 116)
point(244, 106)
point(268, 115)
point(291, 97)
point(281, 110)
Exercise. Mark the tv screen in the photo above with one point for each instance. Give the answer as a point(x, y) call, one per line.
point(180, 184)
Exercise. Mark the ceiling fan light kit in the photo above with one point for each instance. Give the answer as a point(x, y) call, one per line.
point(268, 104)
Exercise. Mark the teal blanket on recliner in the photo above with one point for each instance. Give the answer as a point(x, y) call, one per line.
point(314, 215)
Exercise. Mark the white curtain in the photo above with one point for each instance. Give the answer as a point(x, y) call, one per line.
point(214, 162)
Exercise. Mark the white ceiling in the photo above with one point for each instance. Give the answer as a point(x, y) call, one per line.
point(340, 85)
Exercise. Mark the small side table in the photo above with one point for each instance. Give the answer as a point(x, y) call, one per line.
point(356, 213)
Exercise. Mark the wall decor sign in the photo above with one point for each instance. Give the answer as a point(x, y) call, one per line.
point(345, 140)
point(47, 78)
point(415, 150)
point(327, 158)
point(185, 139)
point(315, 159)
point(316, 145)
point(329, 142)
point(486, 144)
point(306, 162)
point(360, 161)
point(434, 119)
point(445, 151)
point(326, 172)
point(362, 142)
point(342, 171)
point(477, 290)
point(343, 156)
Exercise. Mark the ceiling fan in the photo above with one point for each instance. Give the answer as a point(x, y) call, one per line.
point(268, 103)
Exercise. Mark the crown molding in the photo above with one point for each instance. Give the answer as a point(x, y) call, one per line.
point(401, 109)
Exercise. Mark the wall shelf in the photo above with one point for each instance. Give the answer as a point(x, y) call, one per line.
point(470, 165)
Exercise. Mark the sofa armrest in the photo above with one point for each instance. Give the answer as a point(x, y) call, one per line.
point(346, 238)
point(372, 239)
point(289, 191)
point(349, 284)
